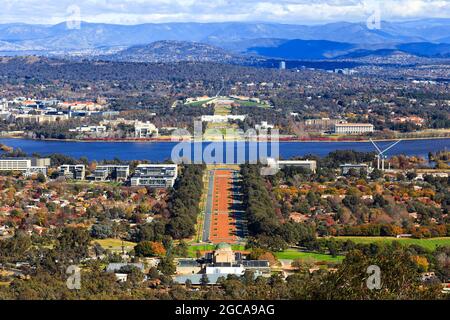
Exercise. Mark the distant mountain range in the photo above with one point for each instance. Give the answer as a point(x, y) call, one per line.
point(225, 41)
point(321, 49)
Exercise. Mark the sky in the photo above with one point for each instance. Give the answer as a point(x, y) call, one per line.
point(156, 11)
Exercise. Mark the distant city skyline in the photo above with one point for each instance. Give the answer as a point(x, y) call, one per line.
point(160, 11)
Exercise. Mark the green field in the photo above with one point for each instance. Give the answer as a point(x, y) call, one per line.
point(245, 103)
point(429, 244)
point(198, 103)
point(115, 244)
point(294, 254)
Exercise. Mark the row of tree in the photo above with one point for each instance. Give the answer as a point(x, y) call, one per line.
point(184, 202)
point(267, 229)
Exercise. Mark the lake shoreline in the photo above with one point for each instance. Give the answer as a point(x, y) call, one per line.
point(224, 140)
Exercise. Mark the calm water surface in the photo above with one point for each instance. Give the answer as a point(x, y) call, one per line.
point(160, 151)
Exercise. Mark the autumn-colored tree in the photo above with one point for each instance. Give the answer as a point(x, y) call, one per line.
point(158, 248)
point(269, 257)
point(149, 249)
point(421, 262)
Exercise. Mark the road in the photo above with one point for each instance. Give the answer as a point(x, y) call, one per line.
point(224, 219)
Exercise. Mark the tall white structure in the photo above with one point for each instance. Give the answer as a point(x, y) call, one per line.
point(381, 156)
point(283, 65)
point(3, 105)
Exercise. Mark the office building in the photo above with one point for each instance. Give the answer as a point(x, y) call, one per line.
point(25, 165)
point(353, 128)
point(155, 175)
point(306, 164)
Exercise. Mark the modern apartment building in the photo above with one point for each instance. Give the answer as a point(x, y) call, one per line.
point(155, 175)
point(111, 172)
point(76, 172)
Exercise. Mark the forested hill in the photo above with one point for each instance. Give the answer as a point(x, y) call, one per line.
point(47, 69)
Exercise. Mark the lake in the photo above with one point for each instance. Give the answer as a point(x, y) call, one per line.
point(160, 151)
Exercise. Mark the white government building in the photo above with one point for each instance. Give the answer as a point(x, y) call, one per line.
point(353, 128)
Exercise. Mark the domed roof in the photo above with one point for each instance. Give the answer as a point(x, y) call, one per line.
point(223, 246)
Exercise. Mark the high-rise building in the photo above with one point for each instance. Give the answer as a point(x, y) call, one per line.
point(282, 65)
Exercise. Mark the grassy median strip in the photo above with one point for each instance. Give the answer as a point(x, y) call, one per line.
point(294, 254)
point(429, 244)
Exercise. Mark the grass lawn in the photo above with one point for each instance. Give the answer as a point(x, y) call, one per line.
point(293, 254)
point(198, 103)
point(222, 110)
point(251, 104)
point(430, 244)
point(115, 244)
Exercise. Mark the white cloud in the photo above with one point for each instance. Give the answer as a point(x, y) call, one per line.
point(287, 11)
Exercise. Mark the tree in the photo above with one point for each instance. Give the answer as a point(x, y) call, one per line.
point(204, 281)
point(167, 266)
point(102, 230)
point(376, 174)
point(332, 247)
point(149, 249)
point(135, 276)
point(411, 175)
point(400, 277)
point(41, 178)
point(73, 244)
point(181, 249)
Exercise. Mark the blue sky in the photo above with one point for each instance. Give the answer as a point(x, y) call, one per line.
point(287, 11)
